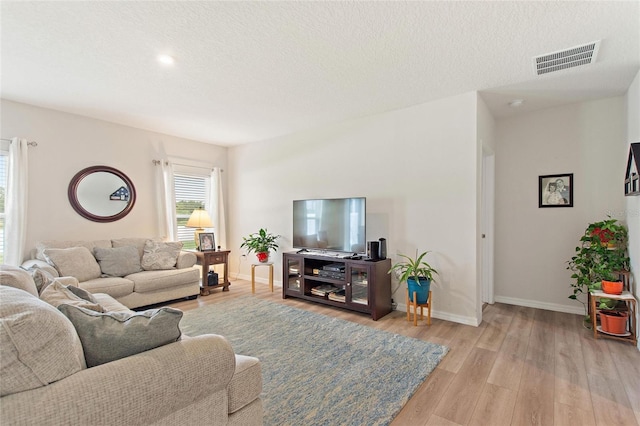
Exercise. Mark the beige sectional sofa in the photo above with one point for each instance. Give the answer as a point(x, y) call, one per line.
point(44, 378)
point(108, 266)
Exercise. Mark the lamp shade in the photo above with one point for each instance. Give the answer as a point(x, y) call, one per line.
point(199, 219)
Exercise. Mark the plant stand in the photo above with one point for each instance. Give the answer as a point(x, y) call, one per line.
point(253, 275)
point(417, 305)
point(624, 277)
point(630, 301)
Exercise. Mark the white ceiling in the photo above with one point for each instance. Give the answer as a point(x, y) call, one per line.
point(250, 71)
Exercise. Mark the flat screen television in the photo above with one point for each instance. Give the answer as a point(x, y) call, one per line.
point(335, 224)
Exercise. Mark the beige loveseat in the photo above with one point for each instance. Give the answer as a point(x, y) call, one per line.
point(111, 267)
point(44, 377)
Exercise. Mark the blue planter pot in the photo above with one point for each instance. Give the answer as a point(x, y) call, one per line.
point(422, 289)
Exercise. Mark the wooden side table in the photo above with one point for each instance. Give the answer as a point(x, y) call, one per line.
point(253, 275)
point(212, 257)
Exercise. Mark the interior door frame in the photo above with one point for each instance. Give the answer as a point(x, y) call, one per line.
point(488, 224)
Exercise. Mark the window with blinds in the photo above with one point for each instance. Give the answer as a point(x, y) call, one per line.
point(192, 192)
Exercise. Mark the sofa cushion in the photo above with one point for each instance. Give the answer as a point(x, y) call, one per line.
point(15, 277)
point(42, 245)
point(74, 261)
point(56, 294)
point(38, 345)
point(246, 383)
point(159, 255)
point(118, 261)
point(113, 335)
point(115, 287)
point(109, 303)
point(138, 243)
point(150, 281)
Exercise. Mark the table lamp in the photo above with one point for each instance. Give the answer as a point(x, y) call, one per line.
point(199, 219)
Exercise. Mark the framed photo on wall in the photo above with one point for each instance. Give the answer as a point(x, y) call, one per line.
point(207, 241)
point(555, 190)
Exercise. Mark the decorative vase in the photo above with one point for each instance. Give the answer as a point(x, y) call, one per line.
point(612, 287)
point(614, 322)
point(263, 256)
point(421, 289)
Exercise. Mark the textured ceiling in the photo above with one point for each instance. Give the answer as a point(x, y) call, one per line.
point(250, 71)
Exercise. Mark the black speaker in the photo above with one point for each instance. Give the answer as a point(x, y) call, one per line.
point(382, 249)
point(372, 249)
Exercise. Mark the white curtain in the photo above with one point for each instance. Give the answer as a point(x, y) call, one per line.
point(16, 203)
point(216, 208)
point(168, 196)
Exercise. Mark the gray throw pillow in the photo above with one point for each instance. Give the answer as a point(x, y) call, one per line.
point(110, 336)
point(119, 261)
point(160, 255)
point(73, 262)
point(82, 293)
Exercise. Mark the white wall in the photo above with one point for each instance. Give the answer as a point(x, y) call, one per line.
point(68, 143)
point(416, 166)
point(632, 203)
point(533, 244)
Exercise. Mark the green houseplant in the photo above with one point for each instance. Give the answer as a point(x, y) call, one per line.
point(602, 253)
point(417, 273)
point(261, 242)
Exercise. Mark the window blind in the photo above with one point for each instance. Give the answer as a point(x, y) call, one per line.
point(192, 192)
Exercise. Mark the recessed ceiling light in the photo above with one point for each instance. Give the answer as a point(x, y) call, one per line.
point(166, 59)
point(516, 103)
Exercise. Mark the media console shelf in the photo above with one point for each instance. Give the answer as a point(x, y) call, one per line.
point(357, 285)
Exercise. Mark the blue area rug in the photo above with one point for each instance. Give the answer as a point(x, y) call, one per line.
point(319, 370)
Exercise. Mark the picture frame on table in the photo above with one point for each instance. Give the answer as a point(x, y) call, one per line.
point(555, 190)
point(207, 241)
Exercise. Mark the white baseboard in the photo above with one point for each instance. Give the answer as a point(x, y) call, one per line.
point(445, 316)
point(401, 307)
point(259, 280)
point(541, 305)
point(459, 318)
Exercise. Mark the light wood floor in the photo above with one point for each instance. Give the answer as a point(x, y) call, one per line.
point(522, 366)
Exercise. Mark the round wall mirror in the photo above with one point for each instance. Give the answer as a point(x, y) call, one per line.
point(101, 194)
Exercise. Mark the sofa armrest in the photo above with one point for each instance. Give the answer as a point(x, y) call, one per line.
point(139, 389)
point(186, 259)
point(42, 265)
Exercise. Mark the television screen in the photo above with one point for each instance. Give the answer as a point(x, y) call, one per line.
point(336, 224)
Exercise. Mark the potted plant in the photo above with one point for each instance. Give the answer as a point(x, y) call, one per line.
point(612, 284)
point(601, 255)
point(417, 273)
point(613, 321)
point(261, 243)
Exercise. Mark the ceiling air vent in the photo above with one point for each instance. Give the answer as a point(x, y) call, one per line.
point(568, 58)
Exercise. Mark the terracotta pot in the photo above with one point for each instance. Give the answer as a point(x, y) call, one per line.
point(612, 287)
point(263, 256)
point(614, 322)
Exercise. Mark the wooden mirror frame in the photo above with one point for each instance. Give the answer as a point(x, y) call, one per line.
point(75, 203)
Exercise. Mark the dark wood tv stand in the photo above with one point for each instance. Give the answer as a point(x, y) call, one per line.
point(357, 285)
